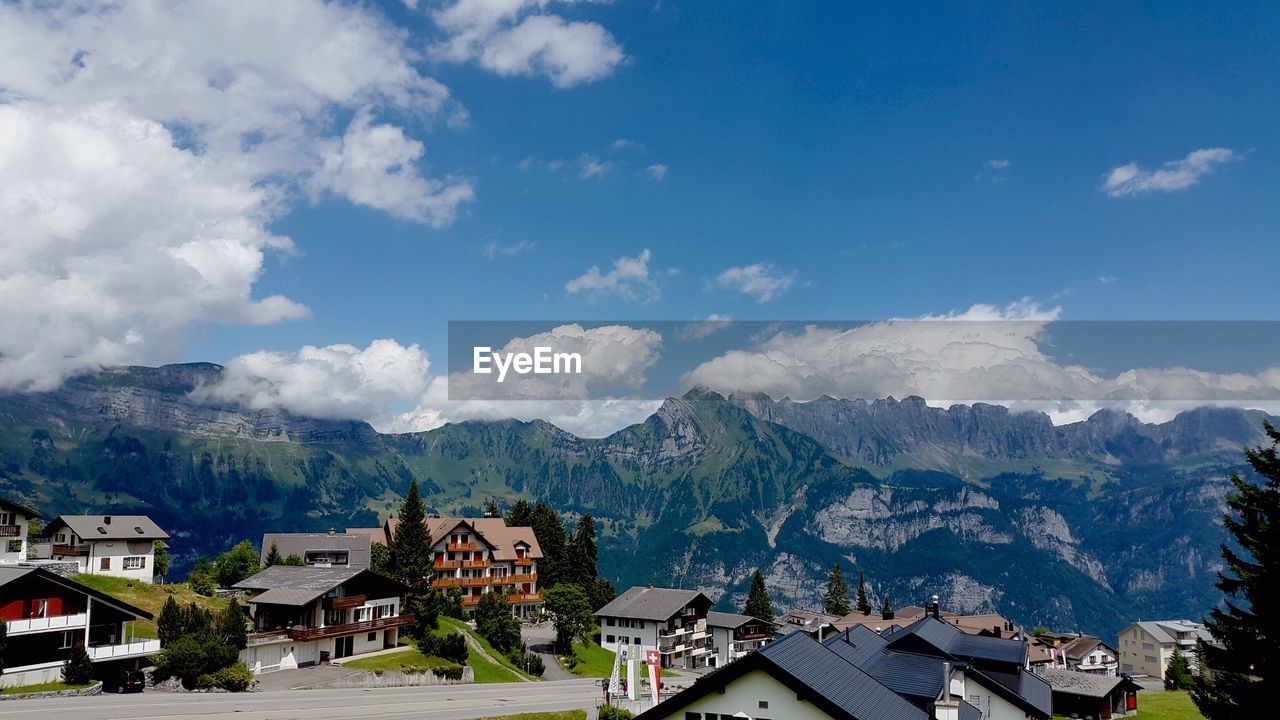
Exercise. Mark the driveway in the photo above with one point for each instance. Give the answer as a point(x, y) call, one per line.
point(540, 638)
point(302, 677)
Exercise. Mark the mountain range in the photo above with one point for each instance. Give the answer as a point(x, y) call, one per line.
point(1082, 526)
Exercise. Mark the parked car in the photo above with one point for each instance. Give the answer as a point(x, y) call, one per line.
point(125, 681)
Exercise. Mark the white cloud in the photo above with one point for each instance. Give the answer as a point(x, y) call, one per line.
point(494, 249)
point(998, 164)
point(626, 144)
point(337, 381)
point(146, 149)
point(986, 354)
point(629, 279)
point(590, 166)
point(705, 328)
point(762, 281)
point(1175, 175)
point(657, 171)
point(519, 37)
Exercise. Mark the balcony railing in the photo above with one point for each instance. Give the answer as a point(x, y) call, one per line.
point(270, 636)
point(461, 547)
point(523, 562)
point(55, 622)
point(446, 582)
point(124, 650)
point(70, 549)
point(447, 564)
point(470, 601)
point(345, 602)
point(386, 623)
point(524, 598)
point(475, 564)
point(11, 530)
point(528, 578)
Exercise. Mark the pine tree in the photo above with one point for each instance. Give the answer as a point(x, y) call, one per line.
point(1243, 675)
point(520, 514)
point(837, 601)
point(160, 559)
point(551, 538)
point(273, 556)
point(170, 623)
point(491, 509)
point(864, 605)
point(1177, 676)
point(79, 668)
point(583, 564)
point(232, 626)
point(758, 604)
point(411, 561)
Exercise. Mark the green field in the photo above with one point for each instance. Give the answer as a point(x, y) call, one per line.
point(485, 670)
point(593, 661)
point(406, 659)
point(147, 596)
point(42, 687)
point(1161, 705)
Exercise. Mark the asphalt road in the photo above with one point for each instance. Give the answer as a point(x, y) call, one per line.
point(449, 702)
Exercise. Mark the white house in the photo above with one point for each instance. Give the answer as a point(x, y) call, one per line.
point(734, 636)
point(117, 545)
point(1146, 647)
point(673, 622)
point(305, 615)
point(13, 531)
point(47, 615)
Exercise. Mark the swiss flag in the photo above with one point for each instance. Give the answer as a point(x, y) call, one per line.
point(651, 657)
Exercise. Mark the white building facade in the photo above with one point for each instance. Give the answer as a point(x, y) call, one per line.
point(115, 545)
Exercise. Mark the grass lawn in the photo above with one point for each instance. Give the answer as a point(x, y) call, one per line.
point(485, 670)
point(593, 661)
point(147, 597)
point(42, 687)
point(565, 715)
point(407, 658)
point(1161, 705)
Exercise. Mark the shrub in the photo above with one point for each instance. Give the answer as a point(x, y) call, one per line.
point(609, 712)
point(533, 664)
point(452, 647)
point(192, 656)
point(79, 668)
point(453, 673)
point(236, 678)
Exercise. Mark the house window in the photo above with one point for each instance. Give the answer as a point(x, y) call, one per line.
point(609, 622)
point(62, 537)
point(68, 638)
point(372, 636)
point(39, 608)
point(7, 519)
point(763, 704)
point(692, 716)
point(335, 617)
point(104, 564)
point(136, 562)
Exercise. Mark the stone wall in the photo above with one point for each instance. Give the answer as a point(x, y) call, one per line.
point(63, 568)
point(95, 689)
point(393, 678)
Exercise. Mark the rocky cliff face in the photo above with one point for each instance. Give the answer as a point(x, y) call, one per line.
point(1082, 526)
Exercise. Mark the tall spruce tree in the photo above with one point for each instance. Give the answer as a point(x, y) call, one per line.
point(1243, 660)
point(583, 564)
point(170, 624)
point(551, 538)
point(837, 600)
point(520, 514)
point(758, 604)
point(864, 605)
point(273, 556)
point(411, 561)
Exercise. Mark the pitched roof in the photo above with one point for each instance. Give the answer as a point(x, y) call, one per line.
point(650, 603)
point(109, 527)
point(11, 573)
point(1166, 631)
point(955, 642)
point(1080, 647)
point(357, 546)
point(376, 535)
point(1079, 683)
point(7, 504)
point(295, 585)
point(730, 620)
point(493, 530)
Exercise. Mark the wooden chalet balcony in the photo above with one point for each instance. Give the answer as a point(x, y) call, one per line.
point(11, 530)
point(446, 582)
point(344, 603)
point(386, 623)
point(524, 562)
point(447, 564)
point(524, 598)
point(476, 582)
point(470, 601)
point(70, 549)
point(461, 547)
point(527, 578)
point(475, 564)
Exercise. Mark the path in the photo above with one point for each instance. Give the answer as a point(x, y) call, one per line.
point(540, 639)
point(477, 648)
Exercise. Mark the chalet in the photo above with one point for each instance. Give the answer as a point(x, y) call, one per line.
point(987, 624)
point(14, 519)
point(320, 549)
point(1090, 695)
point(673, 622)
point(117, 545)
point(309, 615)
point(735, 636)
point(1146, 647)
point(817, 625)
point(482, 555)
point(1081, 653)
point(47, 615)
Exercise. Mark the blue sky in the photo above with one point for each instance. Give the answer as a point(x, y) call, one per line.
point(220, 180)
point(847, 145)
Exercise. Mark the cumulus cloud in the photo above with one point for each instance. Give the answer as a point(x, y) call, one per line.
point(494, 249)
point(146, 149)
point(706, 328)
point(590, 166)
point(629, 279)
point(521, 37)
point(657, 172)
point(762, 281)
point(1130, 179)
point(985, 354)
point(337, 381)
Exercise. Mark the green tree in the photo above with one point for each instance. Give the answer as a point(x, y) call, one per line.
point(837, 600)
point(170, 623)
point(293, 561)
point(192, 656)
point(1247, 628)
point(411, 561)
point(203, 578)
point(495, 623)
point(570, 609)
point(160, 561)
point(273, 557)
point(236, 564)
point(232, 626)
point(1177, 675)
point(863, 604)
point(195, 620)
point(758, 603)
point(79, 668)
point(380, 559)
point(551, 538)
point(491, 509)
point(602, 593)
point(583, 565)
point(520, 514)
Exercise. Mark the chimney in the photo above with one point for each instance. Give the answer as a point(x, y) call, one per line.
point(886, 615)
point(332, 531)
point(933, 608)
point(106, 519)
point(995, 629)
point(946, 682)
point(846, 636)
